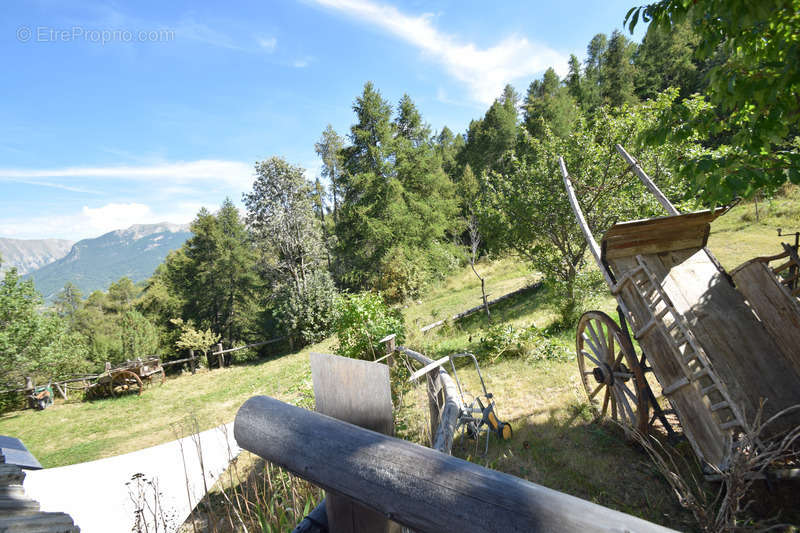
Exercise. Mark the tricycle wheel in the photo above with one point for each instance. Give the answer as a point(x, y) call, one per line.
point(610, 372)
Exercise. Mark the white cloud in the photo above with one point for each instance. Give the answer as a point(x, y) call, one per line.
point(141, 194)
point(268, 44)
point(231, 173)
point(484, 71)
point(197, 31)
point(302, 62)
point(94, 221)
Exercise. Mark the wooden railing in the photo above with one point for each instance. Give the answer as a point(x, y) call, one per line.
point(418, 487)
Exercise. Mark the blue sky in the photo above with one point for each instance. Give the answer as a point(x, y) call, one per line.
point(121, 113)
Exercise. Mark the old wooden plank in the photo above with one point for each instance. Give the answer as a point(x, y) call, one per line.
point(653, 246)
point(742, 352)
point(414, 485)
point(357, 392)
point(778, 310)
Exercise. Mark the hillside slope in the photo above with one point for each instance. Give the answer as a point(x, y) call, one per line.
point(93, 264)
point(28, 255)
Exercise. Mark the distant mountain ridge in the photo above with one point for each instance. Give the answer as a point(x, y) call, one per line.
point(93, 264)
point(29, 254)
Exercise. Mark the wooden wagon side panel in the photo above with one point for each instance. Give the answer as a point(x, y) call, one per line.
point(778, 310)
point(743, 354)
point(702, 429)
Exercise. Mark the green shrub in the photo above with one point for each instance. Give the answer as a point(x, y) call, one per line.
point(362, 320)
point(307, 316)
point(506, 341)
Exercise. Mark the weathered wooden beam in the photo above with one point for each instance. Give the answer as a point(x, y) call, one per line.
point(254, 345)
point(587, 233)
point(416, 486)
point(645, 179)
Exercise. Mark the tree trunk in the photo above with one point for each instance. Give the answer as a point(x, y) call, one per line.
point(483, 290)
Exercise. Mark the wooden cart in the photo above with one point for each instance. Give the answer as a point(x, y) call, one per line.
point(717, 344)
point(128, 378)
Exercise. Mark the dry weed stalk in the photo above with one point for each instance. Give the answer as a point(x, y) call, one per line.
point(751, 456)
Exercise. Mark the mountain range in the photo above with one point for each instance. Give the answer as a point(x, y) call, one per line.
point(93, 264)
point(29, 254)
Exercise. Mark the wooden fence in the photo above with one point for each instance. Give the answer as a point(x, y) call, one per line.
point(421, 488)
point(61, 386)
point(418, 487)
point(471, 310)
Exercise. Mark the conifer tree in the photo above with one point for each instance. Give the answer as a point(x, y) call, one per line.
point(617, 73)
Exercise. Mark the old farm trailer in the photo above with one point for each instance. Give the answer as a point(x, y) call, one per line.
point(718, 344)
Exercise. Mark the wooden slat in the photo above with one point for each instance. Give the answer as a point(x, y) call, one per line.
point(357, 392)
point(656, 235)
point(777, 309)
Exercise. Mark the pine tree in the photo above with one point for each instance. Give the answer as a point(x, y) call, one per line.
point(664, 59)
point(491, 137)
point(329, 149)
point(399, 203)
point(574, 79)
point(214, 274)
point(595, 54)
point(617, 74)
point(549, 105)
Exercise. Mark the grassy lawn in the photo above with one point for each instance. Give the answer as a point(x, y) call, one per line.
point(555, 441)
point(77, 431)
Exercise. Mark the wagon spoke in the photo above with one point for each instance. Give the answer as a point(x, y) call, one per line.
point(628, 392)
point(627, 410)
point(605, 403)
point(613, 406)
point(591, 358)
point(618, 360)
point(599, 345)
point(592, 346)
point(595, 391)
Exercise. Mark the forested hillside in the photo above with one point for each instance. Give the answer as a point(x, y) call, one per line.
point(93, 264)
point(707, 104)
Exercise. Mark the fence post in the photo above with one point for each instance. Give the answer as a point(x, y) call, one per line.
point(220, 356)
point(192, 363)
point(62, 392)
point(389, 343)
point(435, 399)
point(30, 388)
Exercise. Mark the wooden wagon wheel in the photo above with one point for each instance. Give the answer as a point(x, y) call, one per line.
point(611, 373)
point(125, 381)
